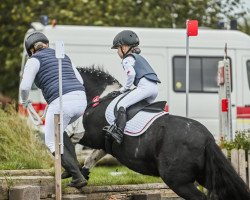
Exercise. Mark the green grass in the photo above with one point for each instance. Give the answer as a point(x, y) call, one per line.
point(117, 175)
point(20, 146)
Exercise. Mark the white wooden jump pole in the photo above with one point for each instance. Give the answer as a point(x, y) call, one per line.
point(58, 119)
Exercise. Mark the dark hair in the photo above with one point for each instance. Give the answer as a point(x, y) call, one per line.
point(136, 50)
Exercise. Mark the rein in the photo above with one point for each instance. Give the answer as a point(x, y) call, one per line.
point(35, 118)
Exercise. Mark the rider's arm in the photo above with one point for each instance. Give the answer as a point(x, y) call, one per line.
point(31, 68)
point(78, 76)
point(128, 65)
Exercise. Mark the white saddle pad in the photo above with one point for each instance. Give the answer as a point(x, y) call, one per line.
point(138, 124)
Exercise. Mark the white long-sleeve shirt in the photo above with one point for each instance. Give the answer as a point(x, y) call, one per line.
point(128, 64)
point(31, 69)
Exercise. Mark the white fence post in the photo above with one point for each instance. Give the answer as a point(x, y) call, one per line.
point(58, 183)
point(235, 159)
point(240, 160)
point(242, 165)
point(224, 151)
point(248, 169)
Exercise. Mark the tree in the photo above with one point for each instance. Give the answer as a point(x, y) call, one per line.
point(245, 25)
point(142, 13)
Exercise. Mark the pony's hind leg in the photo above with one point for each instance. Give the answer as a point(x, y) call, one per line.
point(181, 182)
point(188, 192)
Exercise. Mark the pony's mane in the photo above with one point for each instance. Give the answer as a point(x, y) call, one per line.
point(97, 72)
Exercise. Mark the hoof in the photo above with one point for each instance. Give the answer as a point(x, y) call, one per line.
point(85, 172)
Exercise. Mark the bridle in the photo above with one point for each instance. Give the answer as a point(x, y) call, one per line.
point(97, 100)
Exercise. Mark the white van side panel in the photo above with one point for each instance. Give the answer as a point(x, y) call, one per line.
point(243, 103)
point(203, 106)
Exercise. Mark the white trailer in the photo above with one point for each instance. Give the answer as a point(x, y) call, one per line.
point(165, 50)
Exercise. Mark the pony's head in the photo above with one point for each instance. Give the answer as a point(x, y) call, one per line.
point(97, 82)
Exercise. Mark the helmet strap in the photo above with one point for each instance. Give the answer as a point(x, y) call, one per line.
point(125, 54)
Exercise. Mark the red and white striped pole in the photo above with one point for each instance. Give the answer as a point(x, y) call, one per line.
point(224, 83)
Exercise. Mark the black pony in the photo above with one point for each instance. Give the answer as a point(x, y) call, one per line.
point(179, 150)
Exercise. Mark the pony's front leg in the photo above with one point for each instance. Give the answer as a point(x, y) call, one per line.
point(91, 160)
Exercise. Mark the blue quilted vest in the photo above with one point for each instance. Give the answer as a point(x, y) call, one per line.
point(47, 78)
point(143, 69)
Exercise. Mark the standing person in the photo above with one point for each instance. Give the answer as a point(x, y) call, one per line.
point(138, 72)
point(42, 69)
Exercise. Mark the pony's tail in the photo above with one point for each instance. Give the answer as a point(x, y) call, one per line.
point(222, 181)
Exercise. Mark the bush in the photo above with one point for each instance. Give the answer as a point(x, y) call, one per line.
point(241, 141)
point(20, 146)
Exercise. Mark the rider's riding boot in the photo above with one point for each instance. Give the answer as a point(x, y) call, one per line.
point(70, 165)
point(120, 125)
point(116, 130)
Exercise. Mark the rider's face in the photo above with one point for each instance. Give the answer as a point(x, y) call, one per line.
point(122, 49)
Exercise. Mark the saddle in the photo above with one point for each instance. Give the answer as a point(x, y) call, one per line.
point(136, 122)
point(142, 106)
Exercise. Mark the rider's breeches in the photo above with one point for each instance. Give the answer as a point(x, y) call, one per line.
point(145, 89)
point(74, 105)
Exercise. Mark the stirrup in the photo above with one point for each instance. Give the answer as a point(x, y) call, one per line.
point(109, 130)
point(114, 132)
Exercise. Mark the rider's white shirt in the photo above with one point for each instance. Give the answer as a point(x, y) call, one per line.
point(31, 69)
point(128, 64)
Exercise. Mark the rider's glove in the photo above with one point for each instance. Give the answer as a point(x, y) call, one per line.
point(123, 89)
point(115, 93)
